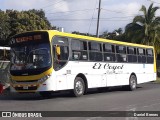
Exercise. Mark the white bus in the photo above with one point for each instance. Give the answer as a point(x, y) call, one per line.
point(48, 61)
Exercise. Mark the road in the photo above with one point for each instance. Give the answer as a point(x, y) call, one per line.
point(145, 98)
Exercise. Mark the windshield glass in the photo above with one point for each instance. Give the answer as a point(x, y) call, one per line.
point(30, 56)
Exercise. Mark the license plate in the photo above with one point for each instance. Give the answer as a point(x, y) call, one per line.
point(25, 87)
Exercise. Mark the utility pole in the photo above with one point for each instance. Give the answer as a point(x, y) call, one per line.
point(99, 10)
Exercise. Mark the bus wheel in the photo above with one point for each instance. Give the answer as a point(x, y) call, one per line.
point(132, 83)
point(46, 94)
point(79, 87)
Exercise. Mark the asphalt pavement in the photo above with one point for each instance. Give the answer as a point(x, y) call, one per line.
point(145, 98)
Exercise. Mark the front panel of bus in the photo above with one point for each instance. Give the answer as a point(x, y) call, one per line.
point(31, 62)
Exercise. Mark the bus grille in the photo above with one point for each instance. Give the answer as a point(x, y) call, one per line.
point(29, 88)
point(24, 81)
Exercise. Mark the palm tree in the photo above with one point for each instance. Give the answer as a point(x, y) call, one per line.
point(145, 29)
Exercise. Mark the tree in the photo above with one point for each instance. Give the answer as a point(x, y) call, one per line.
point(14, 22)
point(85, 34)
point(115, 35)
point(4, 27)
point(145, 29)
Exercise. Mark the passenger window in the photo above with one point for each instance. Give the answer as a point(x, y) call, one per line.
point(95, 51)
point(150, 56)
point(149, 52)
point(141, 51)
point(109, 52)
point(94, 46)
point(108, 48)
point(121, 53)
point(131, 50)
point(79, 50)
point(132, 57)
point(141, 55)
point(79, 45)
point(60, 52)
point(121, 58)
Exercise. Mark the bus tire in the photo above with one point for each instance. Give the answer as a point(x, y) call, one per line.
point(79, 87)
point(132, 82)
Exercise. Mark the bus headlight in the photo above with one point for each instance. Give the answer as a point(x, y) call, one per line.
point(44, 78)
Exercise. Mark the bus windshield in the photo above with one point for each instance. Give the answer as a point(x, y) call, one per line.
point(32, 56)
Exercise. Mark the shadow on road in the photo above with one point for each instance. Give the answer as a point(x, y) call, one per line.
point(66, 94)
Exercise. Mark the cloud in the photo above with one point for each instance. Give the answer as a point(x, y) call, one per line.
point(83, 10)
point(57, 6)
point(19, 5)
point(118, 13)
point(132, 8)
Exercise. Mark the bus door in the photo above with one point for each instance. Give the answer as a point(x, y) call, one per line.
point(60, 59)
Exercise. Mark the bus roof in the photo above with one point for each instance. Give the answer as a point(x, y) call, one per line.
point(55, 32)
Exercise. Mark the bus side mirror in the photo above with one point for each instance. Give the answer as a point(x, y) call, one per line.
point(58, 50)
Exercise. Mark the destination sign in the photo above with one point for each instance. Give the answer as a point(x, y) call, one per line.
point(29, 37)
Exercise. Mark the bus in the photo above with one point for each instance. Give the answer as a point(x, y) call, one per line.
point(4, 65)
point(48, 61)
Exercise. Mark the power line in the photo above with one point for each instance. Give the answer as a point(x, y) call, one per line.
point(88, 20)
point(119, 12)
point(53, 3)
point(112, 11)
point(120, 17)
point(75, 14)
point(70, 11)
point(92, 16)
point(56, 6)
point(70, 19)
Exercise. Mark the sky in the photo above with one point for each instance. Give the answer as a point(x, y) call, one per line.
point(81, 15)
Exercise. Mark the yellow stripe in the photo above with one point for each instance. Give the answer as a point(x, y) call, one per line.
point(33, 77)
point(53, 33)
point(155, 66)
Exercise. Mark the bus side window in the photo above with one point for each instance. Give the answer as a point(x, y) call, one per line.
point(141, 55)
point(109, 52)
point(132, 57)
point(79, 50)
point(121, 53)
point(150, 57)
point(95, 51)
point(60, 52)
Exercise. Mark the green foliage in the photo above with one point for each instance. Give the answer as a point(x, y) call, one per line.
point(4, 27)
point(145, 29)
point(85, 34)
point(115, 35)
point(14, 22)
